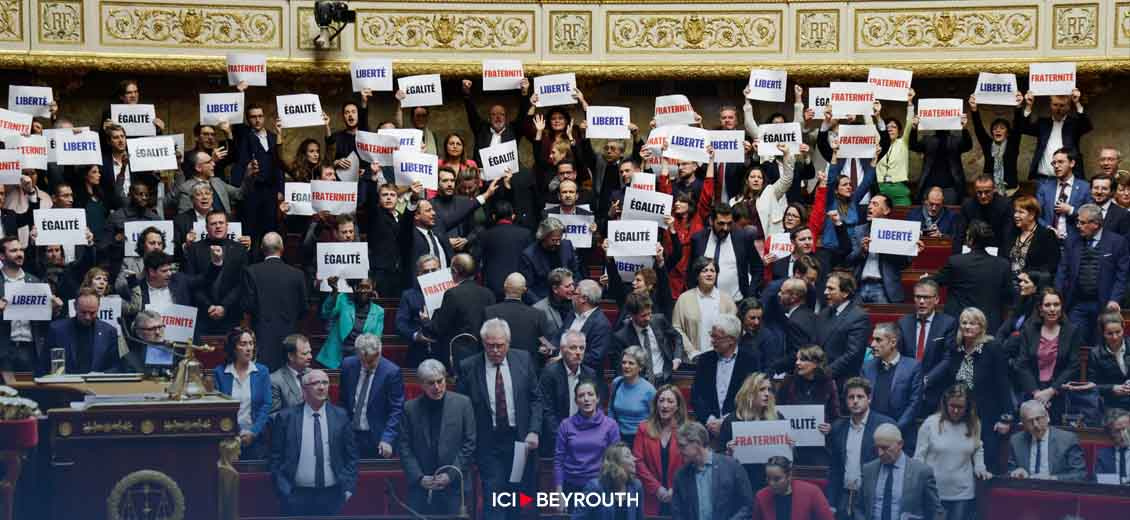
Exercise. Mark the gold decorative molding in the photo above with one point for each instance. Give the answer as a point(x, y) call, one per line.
point(11, 21)
point(148, 426)
point(713, 32)
point(1076, 26)
point(570, 32)
point(960, 28)
point(64, 429)
point(186, 426)
point(198, 26)
point(149, 491)
point(1122, 25)
point(308, 29)
point(119, 426)
point(61, 21)
point(445, 30)
point(818, 30)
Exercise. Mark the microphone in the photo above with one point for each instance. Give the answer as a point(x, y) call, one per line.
point(391, 491)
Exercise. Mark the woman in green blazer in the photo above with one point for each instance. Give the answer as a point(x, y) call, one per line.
point(348, 318)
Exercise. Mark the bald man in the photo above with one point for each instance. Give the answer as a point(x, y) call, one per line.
point(461, 311)
point(530, 330)
point(275, 295)
point(894, 485)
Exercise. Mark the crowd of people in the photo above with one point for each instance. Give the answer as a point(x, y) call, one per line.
point(915, 410)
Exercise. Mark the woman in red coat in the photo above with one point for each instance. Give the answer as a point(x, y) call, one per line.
point(787, 499)
point(657, 454)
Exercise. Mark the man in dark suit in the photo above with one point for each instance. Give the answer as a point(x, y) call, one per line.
point(1059, 200)
point(308, 480)
point(383, 228)
point(588, 319)
point(183, 222)
point(275, 295)
point(498, 245)
point(710, 403)
point(896, 381)
point(412, 315)
point(160, 286)
point(926, 336)
point(652, 332)
point(1044, 451)
point(91, 344)
point(1092, 274)
point(788, 312)
point(936, 219)
point(495, 130)
point(941, 161)
point(529, 327)
point(569, 195)
point(286, 382)
point(462, 309)
point(218, 301)
point(452, 210)
point(879, 274)
point(558, 381)
point(851, 444)
point(1114, 460)
point(1115, 217)
point(256, 150)
point(1067, 116)
point(728, 494)
point(916, 497)
point(844, 328)
point(372, 393)
point(421, 234)
point(22, 342)
point(734, 254)
point(977, 279)
point(504, 392)
point(549, 251)
point(424, 448)
point(988, 206)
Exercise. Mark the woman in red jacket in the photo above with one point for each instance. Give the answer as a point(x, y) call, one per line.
point(657, 454)
point(787, 499)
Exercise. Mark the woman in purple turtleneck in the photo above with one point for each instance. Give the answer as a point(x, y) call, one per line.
point(582, 439)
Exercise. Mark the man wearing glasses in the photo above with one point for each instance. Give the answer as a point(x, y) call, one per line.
point(1043, 451)
point(1060, 199)
point(1092, 273)
point(988, 206)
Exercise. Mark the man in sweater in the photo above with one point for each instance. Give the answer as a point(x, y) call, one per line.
point(1092, 274)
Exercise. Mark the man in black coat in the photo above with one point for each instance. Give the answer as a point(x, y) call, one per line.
point(652, 332)
point(550, 251)
point(275, 295)
point(990, 207)
point(383, 229)
point(496, 129)
point(977, 279)
point(1115, 217)
point(499, 244)
point(462, 309)
point(845, 331)
point(705, 388)
point(941, 161)
point(218, 302)
point(788, 311)
point(735, 255)
point(592, 323)
point(421, 234)
point(529, 328)
point(183, 234)
point(558, 381)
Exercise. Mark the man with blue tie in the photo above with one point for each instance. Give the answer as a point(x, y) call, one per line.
point(896, 380)
point(896, 486)
point(1111, 461)
point(1092, 273)
point(372, 392)
point(1060, 199)
point(313, 454)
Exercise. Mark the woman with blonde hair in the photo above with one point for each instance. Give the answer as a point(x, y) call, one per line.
point(754, 402)
point(657, 454)
point(950, 442)
point(617, 475)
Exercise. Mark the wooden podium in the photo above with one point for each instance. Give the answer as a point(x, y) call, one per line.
point(137, 458)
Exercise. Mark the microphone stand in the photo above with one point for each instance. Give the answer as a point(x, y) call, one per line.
point(462, 490)
point(391, 492)
point(451, 349)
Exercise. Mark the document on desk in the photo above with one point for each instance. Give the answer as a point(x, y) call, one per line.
point(519, 467)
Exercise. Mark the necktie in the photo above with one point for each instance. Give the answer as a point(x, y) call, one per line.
point(1061, 199)
point(720, 193)
point(888, 492)
point(437, 250)
point(921, 351)
point(319, 455)
point(1039, 457)
point(362, 399)
point(501, 419)
point(717, 252)
point(854, 174)
point(644, 337)
point(1122, 464)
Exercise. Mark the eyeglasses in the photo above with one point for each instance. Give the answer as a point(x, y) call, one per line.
point(153, 328)
point(317, 383)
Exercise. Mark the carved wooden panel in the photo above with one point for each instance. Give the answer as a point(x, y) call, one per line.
point(11, 21)
point(61, 21)
point(192, 26)
point(1076, 26)
point(818, 30)
point(1122, 25)
point(959, 28)
point(723, 32)
point(570, 32)
point(445, 30)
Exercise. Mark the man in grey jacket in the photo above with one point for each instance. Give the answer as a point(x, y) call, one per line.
point(1043, 451)
point(896, 486)
point(709, 481)
point(286, 382)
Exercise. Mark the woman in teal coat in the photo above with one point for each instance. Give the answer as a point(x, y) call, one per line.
point(347, 318)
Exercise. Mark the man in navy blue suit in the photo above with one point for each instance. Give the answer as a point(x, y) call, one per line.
point(548, 251)
point(1114, 459)
point(91, 344)
point(588, 319)
point(879, 275)
point(256, 150)
point(308, 480)
point(1092, 273)
point(851, 444)
point(1060, 199)
point(936, 219)
point(734, 254)
point(372, 393)
point(924, 336)
point(412, 315)
point(896, 381)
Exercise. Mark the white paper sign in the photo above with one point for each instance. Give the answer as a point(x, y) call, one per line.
point(939, 114)
point(297, 195)
point(555, 89)
point(778, 246)
point(646, 205)
point(779, 133)
point(687, 143)
point(818, 99)
point(376, 148)
point(10, 163)
point(152, 154)
point(411, 166)
point(767, 85)
point(518, 464)
point(33, 101)
point(1051, 79)
point(299, 110)
point(996, 89)
point(33, 152)
point(729, 146)
point(655, 141)
point(134, 228)
point(804, 421)
point(343, 259)
point(57, 227)
point(180, 321)
point(336, 197)
point(1108, 478)
point(578, 229)
point(502, 75)
point(499, 158)
point(674, 109)
point(608, 122)
point(109, 310)
point(632, 237)
point(235, 230)
point(373, 74)
point(407, 137)
point(857, 141)
point(14, 122)
point(78, 149)
point(251, 68)
point(223, 106)
point(421, 91)
point(757, 441)
point(434, 285)
point(349, 173)
point(136, 120)
point(643, 181)
point(627, 266)
point(27, 301)
point(894, 237)
point(851, 98)
point(890, 84)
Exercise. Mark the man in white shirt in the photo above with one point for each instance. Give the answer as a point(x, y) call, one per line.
point(20, 339)
point(1064, 128)
point(588, 319)
point(851, 445)
point(1043, 451)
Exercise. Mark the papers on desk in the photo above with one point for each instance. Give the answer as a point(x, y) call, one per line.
point(92, 377)
point(60, 378)
point(1108, 478)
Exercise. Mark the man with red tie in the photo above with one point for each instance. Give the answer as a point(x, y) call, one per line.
point(924, 336)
